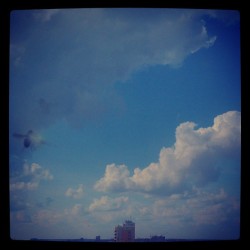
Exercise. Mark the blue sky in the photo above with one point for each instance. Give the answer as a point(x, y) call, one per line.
point(135, 113)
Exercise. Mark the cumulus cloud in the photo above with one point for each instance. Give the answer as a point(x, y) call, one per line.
point(108, 46)
point(107, 209)
point(30, 178)
point(118, 175)
point(75, 193)
point(106, 203)
point(191, 161)
point(37, 171)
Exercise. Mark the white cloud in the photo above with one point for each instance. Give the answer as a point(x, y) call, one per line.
point(75, 193)
point(30, 178)
point(106, 203)
point(109, 210)
point(190, 162)
point(118, 175)
point(37, 172)
point(196, 207)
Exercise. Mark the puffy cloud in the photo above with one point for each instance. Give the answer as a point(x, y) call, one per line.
point(190, 162)
point(106, 203)
point(37, 171)
point(107, 209)
point(75, 193)
point(30, 178)
point(116, 178)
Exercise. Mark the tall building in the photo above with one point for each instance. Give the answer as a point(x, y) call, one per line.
point(125, 233)
point(118, 233)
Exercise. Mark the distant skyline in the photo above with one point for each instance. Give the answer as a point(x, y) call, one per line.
point(135, 113)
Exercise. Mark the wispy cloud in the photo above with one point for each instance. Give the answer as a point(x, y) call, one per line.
point(108, 46)
point(47, 217)
point(190, 162)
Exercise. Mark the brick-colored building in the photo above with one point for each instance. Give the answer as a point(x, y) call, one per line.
point(125, 233)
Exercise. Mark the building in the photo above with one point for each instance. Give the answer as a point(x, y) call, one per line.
point(125, 233)
point(118, 233)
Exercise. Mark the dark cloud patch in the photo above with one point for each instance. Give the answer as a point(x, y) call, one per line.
point(73, 79)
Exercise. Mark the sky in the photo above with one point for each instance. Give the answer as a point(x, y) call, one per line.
point(119, 114)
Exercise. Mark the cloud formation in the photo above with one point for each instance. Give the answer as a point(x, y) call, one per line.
point(195, 208)
point(106, 203)
point(108, 209)
point(75, 193)
point(190, 162)
point(30, 178)
point(76, 210)
point(108, 46)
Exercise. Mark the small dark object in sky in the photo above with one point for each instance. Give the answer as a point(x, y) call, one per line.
point(26, 142)
point(30, 139)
